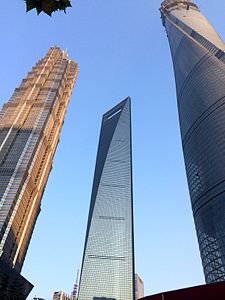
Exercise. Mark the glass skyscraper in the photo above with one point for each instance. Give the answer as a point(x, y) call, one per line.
point(30, 126)
point(198, 55)
point(108, 260)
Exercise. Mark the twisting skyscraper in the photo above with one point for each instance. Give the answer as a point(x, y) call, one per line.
point(108, 261)
point(199, 66)
point(30, 127)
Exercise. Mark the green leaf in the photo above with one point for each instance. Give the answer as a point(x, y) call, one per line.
point(30, 5)
point(47, 6)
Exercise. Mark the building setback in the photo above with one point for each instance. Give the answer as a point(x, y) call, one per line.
point(30, 125)
point(199, 67)
point(108, 260)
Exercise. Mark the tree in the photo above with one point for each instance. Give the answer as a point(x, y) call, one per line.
point(47, 6)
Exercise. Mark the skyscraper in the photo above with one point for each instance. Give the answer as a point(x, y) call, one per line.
point(30, 128)
point(199, 66)
point(108, 260)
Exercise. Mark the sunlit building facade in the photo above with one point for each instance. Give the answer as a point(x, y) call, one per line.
point(61, 296)
point(108, 261)
point(198, 55)
point(139, 287)
point(30, 124)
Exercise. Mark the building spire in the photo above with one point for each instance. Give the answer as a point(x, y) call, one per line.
point(75, 287)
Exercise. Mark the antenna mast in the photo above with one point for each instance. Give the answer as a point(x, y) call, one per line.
point(75, 288)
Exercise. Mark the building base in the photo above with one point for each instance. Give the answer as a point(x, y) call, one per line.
point(13, 286)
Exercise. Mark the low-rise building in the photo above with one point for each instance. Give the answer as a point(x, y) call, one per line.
point(60, 296)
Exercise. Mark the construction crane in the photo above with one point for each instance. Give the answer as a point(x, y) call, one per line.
point(75, 288)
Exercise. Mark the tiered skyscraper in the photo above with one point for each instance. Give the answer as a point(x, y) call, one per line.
point(108, 261)
point(30, 126)
point(198, 55)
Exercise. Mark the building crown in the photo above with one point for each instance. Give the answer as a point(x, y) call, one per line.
point(169, 5)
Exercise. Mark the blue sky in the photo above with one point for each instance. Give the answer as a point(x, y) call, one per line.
point(122, 50)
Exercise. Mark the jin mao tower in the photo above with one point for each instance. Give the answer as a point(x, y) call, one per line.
point(30, 125)
point(108, 260)
point(198, 55)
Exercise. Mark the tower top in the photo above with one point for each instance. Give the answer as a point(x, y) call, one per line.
point(166, 2)
point(169, 5)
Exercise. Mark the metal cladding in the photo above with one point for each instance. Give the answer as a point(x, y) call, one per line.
point(108, 260)
point(199, 66)
point(30, 128)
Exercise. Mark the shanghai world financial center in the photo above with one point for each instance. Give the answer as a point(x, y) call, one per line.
point(108, 260)
point(31, 123)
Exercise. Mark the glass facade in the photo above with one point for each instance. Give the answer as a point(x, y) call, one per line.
point(30, 126)
point(198, 55)
point(108, 261)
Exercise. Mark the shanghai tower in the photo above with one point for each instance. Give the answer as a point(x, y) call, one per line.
point(30, 125)
point(108, 260)
point(199, 67)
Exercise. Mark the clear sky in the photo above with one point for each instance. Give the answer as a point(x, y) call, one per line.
point(122, 50)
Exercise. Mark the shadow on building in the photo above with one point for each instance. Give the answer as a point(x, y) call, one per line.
point(13, 286)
